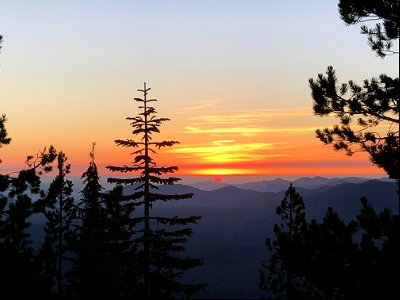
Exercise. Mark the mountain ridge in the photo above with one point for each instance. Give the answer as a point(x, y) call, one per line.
point(236, 222)
point(279, 184)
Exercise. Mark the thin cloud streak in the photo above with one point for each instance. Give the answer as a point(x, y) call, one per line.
point(245, 130)
point(228, 151)
point(200, 106)
point(251, 116)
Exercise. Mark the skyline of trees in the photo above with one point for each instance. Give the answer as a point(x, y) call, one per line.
point(130, 260)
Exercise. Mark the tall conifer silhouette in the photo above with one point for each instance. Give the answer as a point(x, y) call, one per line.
point(58, 209)
point(287, 250)
point(87, 277)
point(101, 244)
point(158, 244)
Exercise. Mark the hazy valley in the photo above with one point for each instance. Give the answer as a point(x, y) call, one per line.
point(236, 222)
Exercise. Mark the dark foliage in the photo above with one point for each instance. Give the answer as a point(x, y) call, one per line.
point(102, 267)
point(375, 103)
point(385, 15)
point(19, 265)
point(159, 240)
point(334, 259)
point(286, 267)
point(378, 259)
point(57, 207)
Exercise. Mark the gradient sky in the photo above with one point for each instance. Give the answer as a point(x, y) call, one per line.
point(231, 75)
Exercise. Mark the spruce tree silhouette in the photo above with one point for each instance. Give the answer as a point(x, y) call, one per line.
point(286, 267)
point(159, 239)
point(103, 266)
point(378, 260)
point(88, 277)
point(58, 209)
point(332, 257)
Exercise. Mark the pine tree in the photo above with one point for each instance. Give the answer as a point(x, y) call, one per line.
point(122, 264)
point(332, 257)
point(58, 209)
point(4, 138)
point(378, 259)
point(18, 272)
point(385, 15)
point(159, 239)
point(101, 243)
point(19, 266)
point(286, 277)
point(88, 239)
point(374, 103)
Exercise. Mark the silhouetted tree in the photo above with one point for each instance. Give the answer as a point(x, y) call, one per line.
point(122, 249)
point(1, 40)
point(378, 260)
point(332, 255)
point(385, 15)
point(101, 243)
point(338, 266)
point(374, 103)
point(19, 266)
point(341, 265)
point(333, 259)
point(160, 244)
point(89, 242)
point(286, 268)
point(58, 209)
point(4, 138)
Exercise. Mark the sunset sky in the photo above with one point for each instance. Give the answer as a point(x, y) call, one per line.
point(231, 75)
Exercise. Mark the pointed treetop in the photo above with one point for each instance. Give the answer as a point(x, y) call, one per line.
point(145, 90)
point(91, 154)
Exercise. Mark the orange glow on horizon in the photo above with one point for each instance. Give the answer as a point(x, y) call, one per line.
point(223, 171)
point(350, 170)
point(236, 144)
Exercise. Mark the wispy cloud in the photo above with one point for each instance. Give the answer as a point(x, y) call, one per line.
point(251, 116)
point(239, 137)
point(245, 130)
point(222, 151)
point(200, 106)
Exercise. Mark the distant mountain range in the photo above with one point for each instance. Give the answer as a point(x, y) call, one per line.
point(280, 184)
point(237, 219)
point(236, 222)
